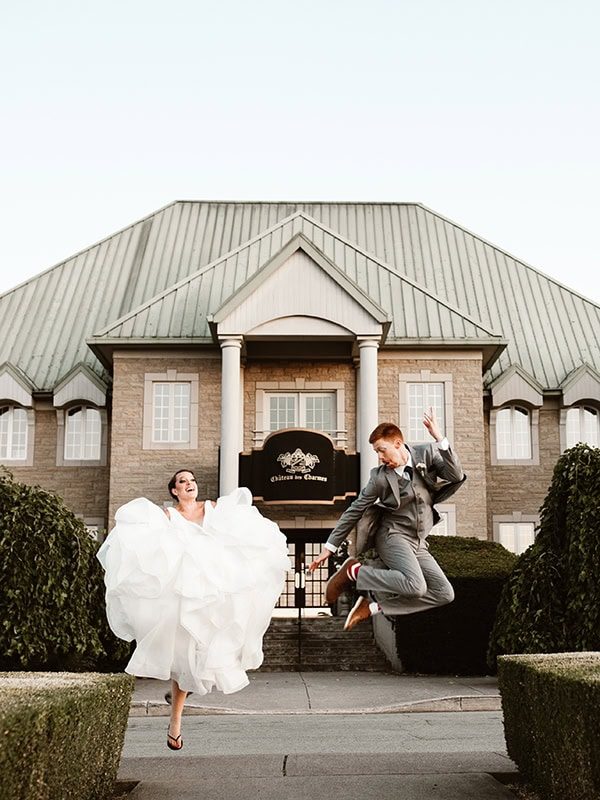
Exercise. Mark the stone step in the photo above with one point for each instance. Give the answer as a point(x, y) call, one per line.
point(325, 646)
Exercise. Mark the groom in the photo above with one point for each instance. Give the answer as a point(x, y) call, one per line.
point(401, 493)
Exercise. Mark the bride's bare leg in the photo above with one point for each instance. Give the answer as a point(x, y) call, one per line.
point(177, 702)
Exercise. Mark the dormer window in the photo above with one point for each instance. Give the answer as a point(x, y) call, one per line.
point(13, 433)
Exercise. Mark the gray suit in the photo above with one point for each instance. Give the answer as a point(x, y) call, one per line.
point(407, 577)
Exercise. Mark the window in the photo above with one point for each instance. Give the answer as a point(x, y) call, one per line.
point(314, 410)
point(583, 425)
point(420, 397)
point(417, 392)
point(447, 524)
point(83, 434)
point(13, 434)
point(171, 412)
point(513, 434)
point(516, 536)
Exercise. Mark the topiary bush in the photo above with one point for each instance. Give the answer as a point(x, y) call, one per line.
point(61, 734)
point(453, 639)
point(551, 602)
point(51, 586)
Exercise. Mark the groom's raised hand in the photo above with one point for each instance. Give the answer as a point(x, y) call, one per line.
point(431, 423)
point(323, 556)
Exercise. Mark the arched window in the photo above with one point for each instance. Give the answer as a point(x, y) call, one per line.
point(13, 433)
point(513, 433)
point(83, 434)
point(583, 425)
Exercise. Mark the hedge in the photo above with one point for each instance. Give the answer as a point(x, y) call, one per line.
point(453, 639)
point(61, 734)
point(551, 604)
point(51, 587)
point(551, 705)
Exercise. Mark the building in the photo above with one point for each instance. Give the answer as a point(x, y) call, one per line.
point(186, 338)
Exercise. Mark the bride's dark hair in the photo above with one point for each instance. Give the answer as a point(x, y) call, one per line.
point(172, 482)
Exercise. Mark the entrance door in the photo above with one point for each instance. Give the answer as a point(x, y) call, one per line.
point(302, 589)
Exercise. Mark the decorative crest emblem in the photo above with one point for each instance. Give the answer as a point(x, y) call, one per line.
point(298, 461)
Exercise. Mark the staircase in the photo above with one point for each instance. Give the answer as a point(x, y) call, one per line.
point(324, 645)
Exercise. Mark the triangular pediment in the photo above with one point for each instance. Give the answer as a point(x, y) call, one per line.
point(369, 292)
point(14, 385)
point(80, 383)
point(514, 385)
point(582, 383)
point(299, 292)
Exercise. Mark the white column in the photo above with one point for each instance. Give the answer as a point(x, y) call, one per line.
point(368, 411)
point(230, 413)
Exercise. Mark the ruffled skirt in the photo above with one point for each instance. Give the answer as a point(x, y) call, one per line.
point(197, 600)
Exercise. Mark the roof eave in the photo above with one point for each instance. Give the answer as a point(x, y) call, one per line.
point(104, 348)
point(491, 349)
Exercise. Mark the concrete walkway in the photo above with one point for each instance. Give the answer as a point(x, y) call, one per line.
point(321, 735)
point(272, 693)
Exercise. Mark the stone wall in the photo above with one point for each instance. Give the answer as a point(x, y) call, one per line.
point(84, 489)
point(522, 488)
point(135, 472)
point(468, 437)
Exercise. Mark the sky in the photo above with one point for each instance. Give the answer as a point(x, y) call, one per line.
point(488, 113)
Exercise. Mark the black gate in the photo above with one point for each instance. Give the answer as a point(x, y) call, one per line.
point(303, 589)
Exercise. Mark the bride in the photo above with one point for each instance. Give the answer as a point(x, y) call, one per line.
point(195, 589)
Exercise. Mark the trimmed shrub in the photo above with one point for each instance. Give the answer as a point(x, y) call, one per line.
point(453, 639)
point(551, 706)
point(51, 586)
point(551, 602)
point(61, 734)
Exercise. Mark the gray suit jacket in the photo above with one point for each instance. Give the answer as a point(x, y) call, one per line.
point(389, 502)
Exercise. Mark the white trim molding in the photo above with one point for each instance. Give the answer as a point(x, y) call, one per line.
point(515, 385)
point(14, 386)
point(534, 433)
point(514, 518)
point(82, 384)
point(449, 510)
point(299, 386)
point(426, 376)
point(61, 421)
point(595, 406)
point(30, 438)
point(581, 384)
point(170, 376)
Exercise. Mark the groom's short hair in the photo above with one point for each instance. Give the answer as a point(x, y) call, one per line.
point(386, 430)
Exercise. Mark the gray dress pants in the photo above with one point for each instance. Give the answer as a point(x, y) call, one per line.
point(407, 578)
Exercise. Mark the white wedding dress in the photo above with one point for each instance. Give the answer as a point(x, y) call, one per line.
point(197, 599)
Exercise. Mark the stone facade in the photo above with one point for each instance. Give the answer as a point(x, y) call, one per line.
point(84, 489)
point(94, 492)
point(467, 437)
point(523, 488)
point(135, 472)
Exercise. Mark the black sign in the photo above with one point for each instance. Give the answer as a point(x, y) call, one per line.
point(299, 466)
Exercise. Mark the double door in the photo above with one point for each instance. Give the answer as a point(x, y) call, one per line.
point(304, 589)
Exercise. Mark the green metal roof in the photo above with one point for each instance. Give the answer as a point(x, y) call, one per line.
point(435, 279)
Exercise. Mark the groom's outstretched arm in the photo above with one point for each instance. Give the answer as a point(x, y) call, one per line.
point(348, 520)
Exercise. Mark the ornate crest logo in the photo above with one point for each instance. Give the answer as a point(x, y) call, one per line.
point(298, 461)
